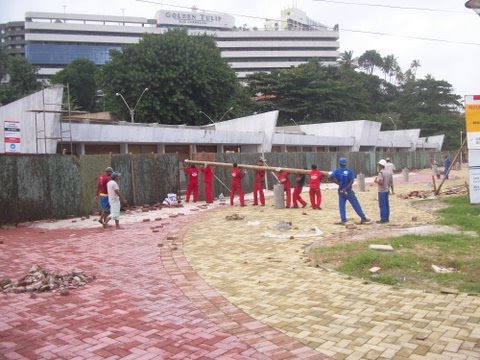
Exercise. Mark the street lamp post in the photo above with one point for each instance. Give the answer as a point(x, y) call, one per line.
point(208, 117)
point(221, 118)
point(225, 113)
point(130, 109)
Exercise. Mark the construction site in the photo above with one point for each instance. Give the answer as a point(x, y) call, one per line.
point(214, 281)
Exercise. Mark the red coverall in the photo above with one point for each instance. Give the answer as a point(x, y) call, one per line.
point(237, 176)
point(315, 193)
point(192, 183)
point(258, 187)
point(297, 190)
point(207, 179)
point(283, 179)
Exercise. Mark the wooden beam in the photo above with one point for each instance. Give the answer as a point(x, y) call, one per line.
point(254, 167)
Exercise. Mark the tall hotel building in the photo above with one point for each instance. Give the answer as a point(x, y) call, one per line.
point(51, 41)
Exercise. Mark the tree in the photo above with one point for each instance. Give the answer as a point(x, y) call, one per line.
point(80, 76)
point(389, 65)
point(185, 75)
point(370, 60)
point(3, 63)
point(347, 60)
point(23, 80)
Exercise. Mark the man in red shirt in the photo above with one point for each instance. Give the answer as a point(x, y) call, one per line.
point(259, 185)
point(283, 179)
point(315, 192)
point(192, 186)
point(237, 176)
point(207, 179)
point(102, 195)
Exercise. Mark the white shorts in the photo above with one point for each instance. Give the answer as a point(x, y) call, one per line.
point(115, 210)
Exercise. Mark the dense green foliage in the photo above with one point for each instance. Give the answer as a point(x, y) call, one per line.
point(313, 93)
point(80, 77)
point(22, 82)
point(184, 74)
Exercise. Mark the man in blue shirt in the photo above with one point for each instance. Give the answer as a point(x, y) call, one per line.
point(345, 177)
point(446, 164)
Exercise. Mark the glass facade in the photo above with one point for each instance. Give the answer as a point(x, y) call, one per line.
point(64, 54)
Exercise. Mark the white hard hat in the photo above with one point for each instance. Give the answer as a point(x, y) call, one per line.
point(382, 162)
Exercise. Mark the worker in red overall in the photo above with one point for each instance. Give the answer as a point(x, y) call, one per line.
point(259, 185)
point(207, 179)
point(283, 179)
point(297, 191)
point(237, 176)
point(192, 186)
point(315, 192)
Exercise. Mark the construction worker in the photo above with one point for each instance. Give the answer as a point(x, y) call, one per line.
point(283, 179)
point(297, 190)
point(237, 176)
point(207, 179)
point(192, 186)
point(345, 177)
point(390, 167)
point(315, 192)
point(259, 185)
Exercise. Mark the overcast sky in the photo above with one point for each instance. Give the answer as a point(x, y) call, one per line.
point(454, 58)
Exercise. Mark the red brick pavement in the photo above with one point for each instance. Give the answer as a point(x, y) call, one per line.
point(146, 301)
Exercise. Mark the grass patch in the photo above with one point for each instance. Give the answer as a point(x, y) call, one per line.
point(410, 265)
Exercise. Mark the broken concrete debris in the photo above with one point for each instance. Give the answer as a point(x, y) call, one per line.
point(380, 247)
point(234, 217)
point(41, 280)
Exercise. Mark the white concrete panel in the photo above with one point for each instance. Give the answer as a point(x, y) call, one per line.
point(47, 123)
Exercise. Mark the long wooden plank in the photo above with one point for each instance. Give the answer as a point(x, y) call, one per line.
point(253, 167)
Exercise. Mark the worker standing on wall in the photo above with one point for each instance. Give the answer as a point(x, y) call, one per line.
point(237, 176)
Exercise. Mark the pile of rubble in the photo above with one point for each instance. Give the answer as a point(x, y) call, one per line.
point(40, 280)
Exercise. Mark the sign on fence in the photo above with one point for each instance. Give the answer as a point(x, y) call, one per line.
point(12, 136)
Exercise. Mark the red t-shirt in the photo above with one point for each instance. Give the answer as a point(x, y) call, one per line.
point(259, 176)
point(315, 178)
point(102, 184)
point(192, 175)
point(283, 178)
point(207, 174)
point(237, 176)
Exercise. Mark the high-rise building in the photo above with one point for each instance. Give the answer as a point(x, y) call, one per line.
point(53, 40)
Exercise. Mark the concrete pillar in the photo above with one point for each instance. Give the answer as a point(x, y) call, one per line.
point(278, 196)
point(160, 148)
point(405, 174)
point(80, 149)
point(361, 182)
point(124, 148)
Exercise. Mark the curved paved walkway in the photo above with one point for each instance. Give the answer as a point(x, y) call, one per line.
point(146, 302)
point(192, 292)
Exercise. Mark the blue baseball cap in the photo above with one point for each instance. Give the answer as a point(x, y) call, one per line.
point(115, 175)
point(342, 161)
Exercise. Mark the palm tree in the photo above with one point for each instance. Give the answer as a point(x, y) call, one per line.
point(414, 66)
point(347, 60)
point(389, 65)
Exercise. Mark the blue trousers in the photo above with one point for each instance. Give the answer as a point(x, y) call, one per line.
point(352, 199)
point(384, 204)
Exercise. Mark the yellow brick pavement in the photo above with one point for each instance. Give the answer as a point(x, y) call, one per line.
point(271, 280)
